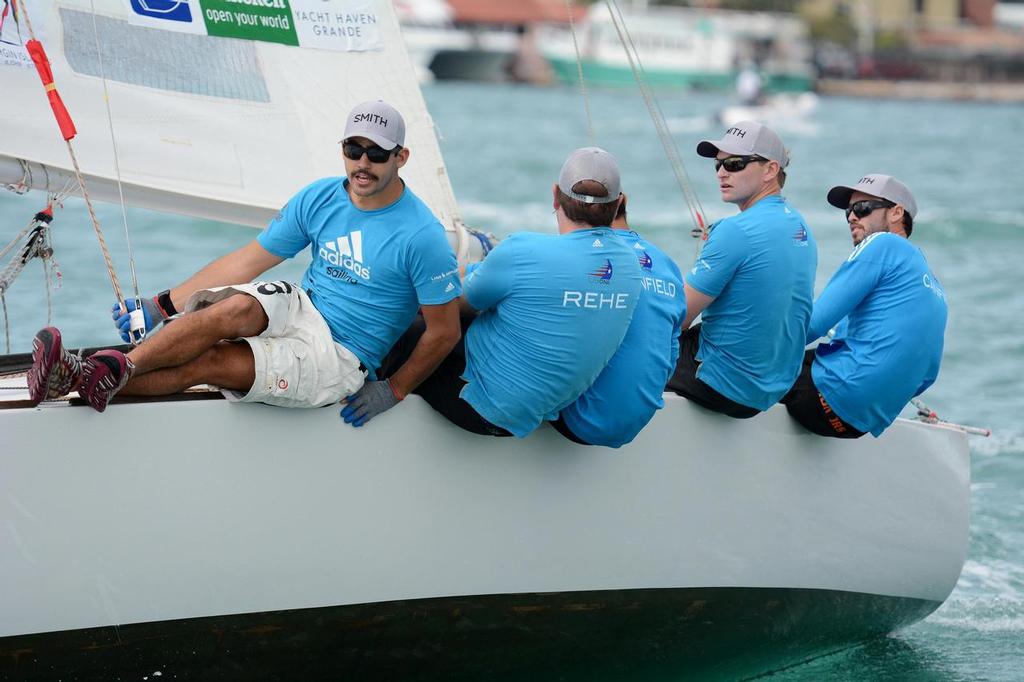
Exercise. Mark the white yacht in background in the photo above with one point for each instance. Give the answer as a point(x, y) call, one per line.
point(203, 539)
point(684, 47)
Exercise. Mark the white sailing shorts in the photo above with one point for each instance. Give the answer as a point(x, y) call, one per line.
point(298, 363)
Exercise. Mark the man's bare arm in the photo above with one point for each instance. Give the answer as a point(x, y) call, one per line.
point(440, 337)
point(696, 302)
point(238, 267)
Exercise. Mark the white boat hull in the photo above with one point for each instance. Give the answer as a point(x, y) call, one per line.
point(160, 511)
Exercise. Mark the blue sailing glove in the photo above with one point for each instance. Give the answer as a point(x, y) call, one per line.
point(150, 310)
point(369, 401)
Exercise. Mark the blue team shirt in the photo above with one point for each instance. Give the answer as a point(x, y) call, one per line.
point(891, 343)
point(370, 270)
point(554, 309)
point(629, 391)
point(759, 267)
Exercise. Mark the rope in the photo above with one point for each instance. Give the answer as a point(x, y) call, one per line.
point(7, 325)
point(928, 416)
point(117, 161)
point(693, 205)
point(116, 285)
point(25, 184)
point(579, 71)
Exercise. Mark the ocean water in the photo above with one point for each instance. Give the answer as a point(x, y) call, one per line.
point(504, 146)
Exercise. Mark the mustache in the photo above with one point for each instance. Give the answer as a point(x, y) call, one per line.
point(366, 171)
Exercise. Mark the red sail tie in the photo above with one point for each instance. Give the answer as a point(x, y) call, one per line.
point(67, 126)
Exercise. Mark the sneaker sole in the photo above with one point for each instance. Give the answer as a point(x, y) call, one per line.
point(46, 347)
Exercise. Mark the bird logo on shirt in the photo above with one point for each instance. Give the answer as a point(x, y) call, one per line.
point(604, 273)
point(645, 261)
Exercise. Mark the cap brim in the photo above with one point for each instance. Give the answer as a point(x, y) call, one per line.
point(840, 196)
point(707, 149)
point(710, 148)
point(378, 140)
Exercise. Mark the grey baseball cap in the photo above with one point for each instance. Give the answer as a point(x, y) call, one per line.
point(747, 138)
point(878, 185)
point(377, 121)
point(590, 163)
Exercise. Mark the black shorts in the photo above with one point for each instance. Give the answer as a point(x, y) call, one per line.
point(441, 389)
point(684, 380)
point(563, 428)
point(809, 408)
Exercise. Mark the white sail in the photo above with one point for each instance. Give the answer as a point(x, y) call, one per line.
point(207, 125)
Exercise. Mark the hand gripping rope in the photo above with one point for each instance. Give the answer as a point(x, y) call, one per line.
point(68, 132)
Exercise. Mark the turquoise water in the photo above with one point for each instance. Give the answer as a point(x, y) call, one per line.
point(504, 146)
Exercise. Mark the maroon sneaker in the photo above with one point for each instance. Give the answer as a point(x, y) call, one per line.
point(104, 373)
point(55, 371)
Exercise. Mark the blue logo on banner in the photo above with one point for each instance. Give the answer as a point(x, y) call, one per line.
point(171, 10)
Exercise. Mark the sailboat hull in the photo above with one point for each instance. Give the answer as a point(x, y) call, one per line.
point(248, 532)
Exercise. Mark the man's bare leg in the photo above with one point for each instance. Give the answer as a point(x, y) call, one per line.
point(191, 335)
point(225, 365)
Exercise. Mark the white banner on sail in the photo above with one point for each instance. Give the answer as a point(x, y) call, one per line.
point(346, 25)
point(14, 33)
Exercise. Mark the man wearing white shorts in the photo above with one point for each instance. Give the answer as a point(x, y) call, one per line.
point(378, 256)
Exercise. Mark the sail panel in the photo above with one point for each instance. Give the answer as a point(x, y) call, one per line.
point(208, 122)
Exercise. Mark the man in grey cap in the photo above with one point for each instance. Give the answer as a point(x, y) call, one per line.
point(754, 283)
point(552, 311)
point(888, 310)
point(379, 254)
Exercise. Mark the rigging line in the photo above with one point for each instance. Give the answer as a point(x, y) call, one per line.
point(579, 71)
point(7, 322)
point(113, 144)
point(68, 132)
point(694, 206)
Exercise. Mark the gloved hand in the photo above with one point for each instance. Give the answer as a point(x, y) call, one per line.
point(150, 310)
point(369, 401)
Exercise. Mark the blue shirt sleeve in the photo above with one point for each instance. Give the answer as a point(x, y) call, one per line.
point(854, 280)
point(432, 266)
point(722, 255)
point(286, 234)
point(487, 283)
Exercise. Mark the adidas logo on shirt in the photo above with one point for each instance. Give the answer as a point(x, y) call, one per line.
point(347, 252)
point(597, 244)
point(450, 287)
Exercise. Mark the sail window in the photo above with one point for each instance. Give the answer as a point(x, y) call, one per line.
point(164, 60)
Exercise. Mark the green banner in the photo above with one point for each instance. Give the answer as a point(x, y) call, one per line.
point(266, 20)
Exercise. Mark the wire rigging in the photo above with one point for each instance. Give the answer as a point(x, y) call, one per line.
point(68, 132)
point(693, 204)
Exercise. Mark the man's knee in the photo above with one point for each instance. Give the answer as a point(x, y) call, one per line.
point(226, 364)
point(240, 315)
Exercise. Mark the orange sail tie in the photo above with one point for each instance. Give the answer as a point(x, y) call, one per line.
point(38, 54)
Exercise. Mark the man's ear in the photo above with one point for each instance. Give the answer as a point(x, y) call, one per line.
point(403, 156)
point(896, 216)
point(771, 170)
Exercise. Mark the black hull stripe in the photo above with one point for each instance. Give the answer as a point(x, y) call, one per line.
point(657, 634)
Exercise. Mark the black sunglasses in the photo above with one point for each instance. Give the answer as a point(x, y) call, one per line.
point(374, 153)
point(734, 164)
point(866, 207)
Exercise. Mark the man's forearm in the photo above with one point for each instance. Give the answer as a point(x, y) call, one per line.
point(431, 349)
point(237, 267)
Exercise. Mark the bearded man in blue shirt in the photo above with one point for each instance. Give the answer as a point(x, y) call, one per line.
point(892, 312)
point(753, 282)
point(378, 255)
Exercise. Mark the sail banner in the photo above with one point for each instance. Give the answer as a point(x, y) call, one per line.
point(340, 25)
